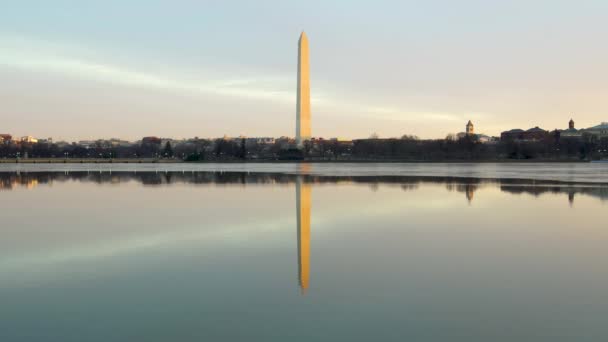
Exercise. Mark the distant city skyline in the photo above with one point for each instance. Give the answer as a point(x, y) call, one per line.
point(75, 71)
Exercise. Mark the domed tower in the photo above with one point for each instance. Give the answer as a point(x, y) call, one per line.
point(470, 128)
point(571, 124)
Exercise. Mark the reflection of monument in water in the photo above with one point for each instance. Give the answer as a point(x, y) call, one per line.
point(470, 192)
point(468, 189)
point(303, 202)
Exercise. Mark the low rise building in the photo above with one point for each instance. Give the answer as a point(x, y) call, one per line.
point(151, 141)
point(532, 134)
point(342, 140)
point(470, 132)
point(62, 144)
point(86, 143)
point(513, 134)
point(262, 140)
point(486, 139)
point(119, 143)
point(535, 134)
point(5, 138)
point(29, 139)
point(600, 131)
point(571, 132)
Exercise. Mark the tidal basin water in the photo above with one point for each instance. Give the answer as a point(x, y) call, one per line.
point(303, 253)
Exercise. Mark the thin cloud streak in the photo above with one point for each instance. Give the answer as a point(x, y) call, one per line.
point(37, 56)
point(66, 60)
point(117, 75)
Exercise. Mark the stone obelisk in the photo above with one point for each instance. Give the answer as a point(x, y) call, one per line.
point(303, 105)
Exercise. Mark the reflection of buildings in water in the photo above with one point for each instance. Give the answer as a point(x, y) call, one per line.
point(14, 180)
point(6, 184)
point(31, 183)
point(303, 204)
point(599, 191)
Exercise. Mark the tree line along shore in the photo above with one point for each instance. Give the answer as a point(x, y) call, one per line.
point(405, 149)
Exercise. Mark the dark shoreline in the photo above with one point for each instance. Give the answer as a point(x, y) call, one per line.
point(351, 161)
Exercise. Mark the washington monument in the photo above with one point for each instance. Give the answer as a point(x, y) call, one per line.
point(303, 106)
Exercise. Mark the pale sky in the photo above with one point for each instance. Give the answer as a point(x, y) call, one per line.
point(126, 69)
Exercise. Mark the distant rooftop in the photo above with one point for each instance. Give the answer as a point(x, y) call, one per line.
point(603, 125)
point(569, 130)
point(536, 129)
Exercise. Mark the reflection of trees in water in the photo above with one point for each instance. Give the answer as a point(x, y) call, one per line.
point(10, 180)
point(409, 186)
point(468, 186)
point(600, 192)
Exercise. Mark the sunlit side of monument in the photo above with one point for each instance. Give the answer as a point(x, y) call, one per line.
point(303, 131)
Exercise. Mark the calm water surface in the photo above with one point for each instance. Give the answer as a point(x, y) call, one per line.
point(301, 254)
point(566, 172)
